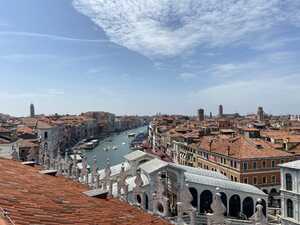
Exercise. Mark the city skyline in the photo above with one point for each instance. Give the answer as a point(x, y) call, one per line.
point(129, 57)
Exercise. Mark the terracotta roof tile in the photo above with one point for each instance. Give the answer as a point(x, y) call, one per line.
point(241, 147)
point(33, 198)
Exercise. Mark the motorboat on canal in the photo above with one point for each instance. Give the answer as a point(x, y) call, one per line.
point(131, 135)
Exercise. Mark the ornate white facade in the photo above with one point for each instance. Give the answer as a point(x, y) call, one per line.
point(164, 188)
point(178, 193)
point(290, 193)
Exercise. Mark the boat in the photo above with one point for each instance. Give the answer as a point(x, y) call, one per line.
point(131, 134)
point(106, 149)
point(124, 143)
point(114, 148)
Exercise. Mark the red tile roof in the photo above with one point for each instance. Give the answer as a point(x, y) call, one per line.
point(242, 148)
point(33, 198)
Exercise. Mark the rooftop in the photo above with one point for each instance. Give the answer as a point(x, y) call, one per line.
point(292, 165)
point(34, 198)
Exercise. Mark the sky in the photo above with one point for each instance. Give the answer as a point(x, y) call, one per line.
point(149, 56)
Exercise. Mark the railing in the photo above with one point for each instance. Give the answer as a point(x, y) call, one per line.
point(5, 214)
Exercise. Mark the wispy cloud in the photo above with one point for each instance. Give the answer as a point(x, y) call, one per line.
point(276, 94)
point(169, 27)
point(2, 24)
point(52, 92)
point(267, 64)
point(50, 36)
point(187, 76)
point(20, 57)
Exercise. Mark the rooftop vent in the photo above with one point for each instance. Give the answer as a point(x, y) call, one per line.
point(97, 193)
point(258, 146)
point(49, 172)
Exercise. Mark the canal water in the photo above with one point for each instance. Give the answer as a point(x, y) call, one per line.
point(121, 141)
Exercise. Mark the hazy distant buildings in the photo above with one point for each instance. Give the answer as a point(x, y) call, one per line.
point(32, 112)
point(201, 114)
point(260, 113)
point(220, 110)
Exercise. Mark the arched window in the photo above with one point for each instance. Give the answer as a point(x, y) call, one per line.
point(224, 201)
point(290, 208)
point(248, 207)
point(288, 182)
point(234, 206)
point(146, 202)
point(195, 197)
point(206, 199)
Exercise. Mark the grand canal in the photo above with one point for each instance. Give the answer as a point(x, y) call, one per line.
point(121, 141)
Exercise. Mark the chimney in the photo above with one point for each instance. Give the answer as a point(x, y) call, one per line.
point(228, 150)
point(210, 144)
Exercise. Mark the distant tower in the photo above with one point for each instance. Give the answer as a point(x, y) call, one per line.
point(210, 115)
point(260, 113)
point(200, 114)
point(220, 111)
point(32, 113)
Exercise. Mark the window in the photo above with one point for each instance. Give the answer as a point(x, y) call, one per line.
point(254, 180)
point(281, 161)
point(246, 180)
point(245, 165)
point(231, 163)
point(231, 177)
point(45, 135)
point(273, 163)
point(254, 165)
point(235, 179)
point(288, 182)
point(273, 179)
point(234, 164)
point(264, 180)
point(290, 208)
point(264, 164)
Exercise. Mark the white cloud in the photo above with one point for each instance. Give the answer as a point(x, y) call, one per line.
point(170, 27)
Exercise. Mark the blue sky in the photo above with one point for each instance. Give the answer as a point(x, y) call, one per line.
point(148, 56)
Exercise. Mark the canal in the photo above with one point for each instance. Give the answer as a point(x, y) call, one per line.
point(120, 141)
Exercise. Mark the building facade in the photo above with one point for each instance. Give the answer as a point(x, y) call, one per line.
point(290, 193)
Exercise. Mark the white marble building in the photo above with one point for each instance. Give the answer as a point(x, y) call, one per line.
point(290, 193)
point(239, 199)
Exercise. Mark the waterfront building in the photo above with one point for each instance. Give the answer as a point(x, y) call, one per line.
point(239, 148)
point(105, 120)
